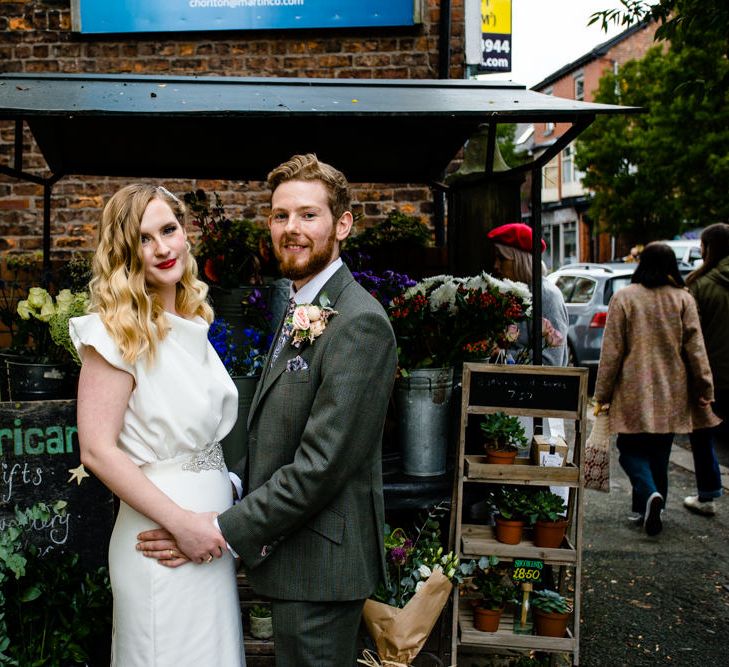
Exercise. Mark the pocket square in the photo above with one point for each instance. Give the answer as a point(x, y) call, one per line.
point(296, 364)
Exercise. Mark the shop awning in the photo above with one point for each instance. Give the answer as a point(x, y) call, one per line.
point(386, 131)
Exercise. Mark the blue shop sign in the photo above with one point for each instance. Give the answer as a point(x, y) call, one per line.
point(128, 16)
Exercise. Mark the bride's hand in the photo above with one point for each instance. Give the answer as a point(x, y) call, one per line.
point(198, 538)
point(160, 544)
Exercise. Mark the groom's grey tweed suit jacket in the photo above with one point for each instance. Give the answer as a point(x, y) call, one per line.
point(311, 525)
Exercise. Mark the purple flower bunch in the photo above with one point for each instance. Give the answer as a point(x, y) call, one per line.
point(412, 559)
point(385, 286)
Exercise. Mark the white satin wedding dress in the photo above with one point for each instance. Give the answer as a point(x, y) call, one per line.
point(179, 410)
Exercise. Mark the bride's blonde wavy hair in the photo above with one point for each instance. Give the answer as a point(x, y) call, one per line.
point(134, 316)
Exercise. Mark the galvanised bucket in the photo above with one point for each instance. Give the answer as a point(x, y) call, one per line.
point(424, 409)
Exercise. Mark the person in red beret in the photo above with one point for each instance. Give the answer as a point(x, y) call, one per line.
point(513, 260)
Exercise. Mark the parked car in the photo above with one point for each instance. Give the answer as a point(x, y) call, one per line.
point(587, 289)
point(688, 253)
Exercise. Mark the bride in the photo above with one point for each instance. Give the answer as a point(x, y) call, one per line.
point(154, 401)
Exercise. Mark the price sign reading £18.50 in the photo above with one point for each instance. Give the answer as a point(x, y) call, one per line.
point(527, 570)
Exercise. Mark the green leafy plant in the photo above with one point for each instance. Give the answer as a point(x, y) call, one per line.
point(53, 609)
point(260, 611)
point(411, 559)
point(76, 272)
point(529, 661)
point(546, 506)
point(397, 229)
point(44, 323)
point(493, 584)
point(229, 252)
point(550, 602)
point(502, 432)
point(17, 274)
point(512, 502)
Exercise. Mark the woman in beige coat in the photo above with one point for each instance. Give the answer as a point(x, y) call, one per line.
point(655, 376)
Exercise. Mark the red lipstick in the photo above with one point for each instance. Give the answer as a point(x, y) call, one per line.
point(167, 264)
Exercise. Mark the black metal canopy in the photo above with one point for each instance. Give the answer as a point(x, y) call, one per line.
point(381, 131)
point(386, 131)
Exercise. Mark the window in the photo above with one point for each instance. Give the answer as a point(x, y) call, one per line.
point(550, 174)
point(568, 164)
point(570, 172)
point(569, 242)
point(614, 285)
point(565, 285)
point(580, 87)
point(584, 289)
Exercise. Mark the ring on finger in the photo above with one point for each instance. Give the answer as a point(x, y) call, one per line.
point(209, 558)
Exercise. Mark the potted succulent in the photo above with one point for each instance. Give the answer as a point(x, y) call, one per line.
point(513, 506)
point(547, 514)
point(495, 588)
point(502, 437)
point(261, 621)
point(551, 613)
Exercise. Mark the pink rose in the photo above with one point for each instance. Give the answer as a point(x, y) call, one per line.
point(301, 318)
point(314, 313)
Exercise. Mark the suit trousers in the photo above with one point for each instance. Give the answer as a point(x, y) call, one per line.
point(316, 634)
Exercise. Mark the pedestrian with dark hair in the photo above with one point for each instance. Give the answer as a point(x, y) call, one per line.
point(654, 377)
point(710, 286)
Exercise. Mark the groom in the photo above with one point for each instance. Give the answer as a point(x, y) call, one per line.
point(309, 530)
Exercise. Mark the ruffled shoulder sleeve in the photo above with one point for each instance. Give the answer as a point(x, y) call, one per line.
point(89, 331)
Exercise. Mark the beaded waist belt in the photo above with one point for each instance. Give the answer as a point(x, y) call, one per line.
point(210, 458)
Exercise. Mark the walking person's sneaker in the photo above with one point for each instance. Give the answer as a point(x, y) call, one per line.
point(653, 524)
point(705, 507)
point(636, 518)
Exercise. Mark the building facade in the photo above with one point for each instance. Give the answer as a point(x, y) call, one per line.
point(570, 234)
point(37, 36)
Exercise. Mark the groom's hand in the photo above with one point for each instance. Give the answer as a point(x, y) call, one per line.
point(160, 544)
point(197, 539)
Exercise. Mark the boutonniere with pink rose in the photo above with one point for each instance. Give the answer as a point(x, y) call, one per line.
point(308, 321)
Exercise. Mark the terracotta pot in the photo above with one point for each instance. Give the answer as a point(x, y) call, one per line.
point(487, 620)
point(550, 623)
point(549, 534)
point(508, 531)
point(500, 457)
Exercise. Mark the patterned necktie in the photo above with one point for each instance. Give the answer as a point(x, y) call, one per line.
point(285, 334)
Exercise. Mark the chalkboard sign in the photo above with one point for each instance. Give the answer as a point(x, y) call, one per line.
point(39, 458)
point(535, 388)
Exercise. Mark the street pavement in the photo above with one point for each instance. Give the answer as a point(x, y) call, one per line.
point(660, 600)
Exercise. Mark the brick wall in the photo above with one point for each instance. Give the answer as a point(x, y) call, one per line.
point(35, 36)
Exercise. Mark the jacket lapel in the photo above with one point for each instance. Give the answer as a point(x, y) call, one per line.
point(332, 288)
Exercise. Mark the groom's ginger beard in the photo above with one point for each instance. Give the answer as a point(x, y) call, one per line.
point(293, 268)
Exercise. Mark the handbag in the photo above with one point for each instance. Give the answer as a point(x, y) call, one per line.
point(597, 455)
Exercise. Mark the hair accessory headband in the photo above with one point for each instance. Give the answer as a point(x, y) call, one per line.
point(165, 191)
